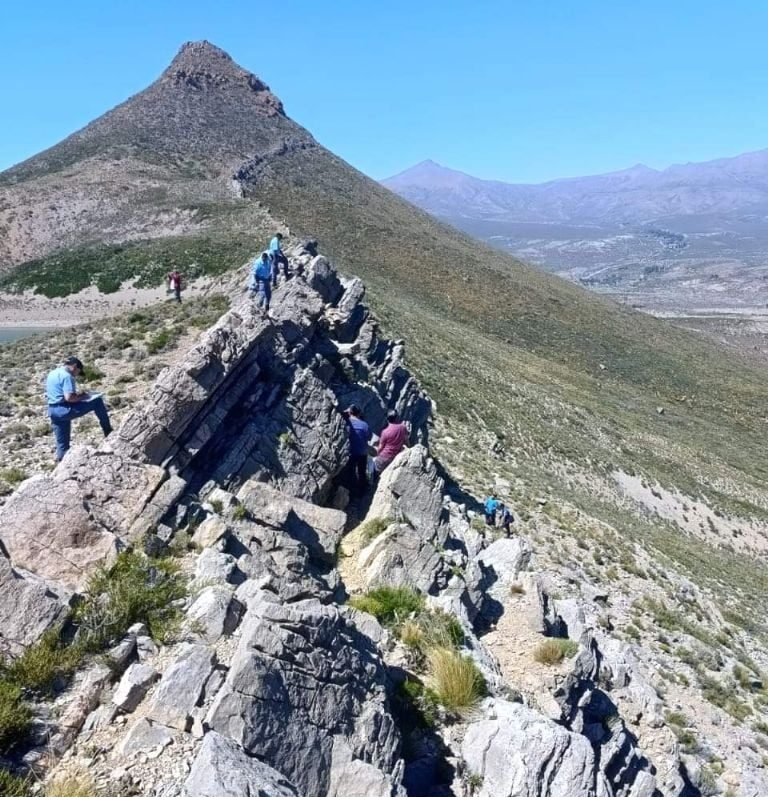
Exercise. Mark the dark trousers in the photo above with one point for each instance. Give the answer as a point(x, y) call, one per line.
point(61, 416)
point(358, 463)
point(177, 294)
point(277, 259)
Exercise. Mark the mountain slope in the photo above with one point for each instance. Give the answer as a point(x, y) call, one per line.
point(579, 411)
point(631, 196)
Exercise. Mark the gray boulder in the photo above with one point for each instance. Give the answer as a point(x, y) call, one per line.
point(401, 556)
point(318, 528)
point(519, 752)
point(133, 686)
point(214, 613)
point(28, 608)
point(302, 676)
point(181, 688)
point(63, 525)
point(223, 769)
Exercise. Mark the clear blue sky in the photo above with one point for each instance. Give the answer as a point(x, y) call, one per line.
point(522, 90)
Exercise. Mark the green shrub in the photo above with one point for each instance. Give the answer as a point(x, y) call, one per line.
point(553, 651)
point(136, 589)
point(455, 680)
point(421, 701)
point(389, 605)
point(41, 664)
point(240, 512)
point(11, 786)
point(374, 527)
point(91, 373)
point(217, 506)
point(162, 340)
point(13, 475)
point(14, 717)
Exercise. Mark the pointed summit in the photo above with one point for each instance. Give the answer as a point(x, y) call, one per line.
point(202, 66)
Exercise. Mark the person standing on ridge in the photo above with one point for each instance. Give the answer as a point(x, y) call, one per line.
point(489, 509)
point(391, 441)
point(507, 519)
point(359, 435)
point(278, 257)
point(261, 275)
point(65, 403)
point(174, 283)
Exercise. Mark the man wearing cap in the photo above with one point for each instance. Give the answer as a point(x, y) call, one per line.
point(65, 403)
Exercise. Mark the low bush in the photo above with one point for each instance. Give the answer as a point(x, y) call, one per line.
point(136, 589)
point(11, 786)
point(13, 475)
point(390, 605)
point(553, 651)
point(14, 716)
point(44, 663)
point(374, 527)
point(456, 682)
point(71, 787)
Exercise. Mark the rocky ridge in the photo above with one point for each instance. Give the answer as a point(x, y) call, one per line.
point(277, 684)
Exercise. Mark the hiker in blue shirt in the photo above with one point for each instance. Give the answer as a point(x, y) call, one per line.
point(278, 257)
point(489, 509)
point(359, 436)
point(65, 403)
point(261, 275)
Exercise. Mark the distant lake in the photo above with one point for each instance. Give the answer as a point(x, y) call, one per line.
point(9, 334)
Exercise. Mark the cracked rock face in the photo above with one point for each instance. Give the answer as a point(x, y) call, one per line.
point(516, 751)
point(303, 677)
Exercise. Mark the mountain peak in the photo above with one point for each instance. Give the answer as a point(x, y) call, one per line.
point(201, 66)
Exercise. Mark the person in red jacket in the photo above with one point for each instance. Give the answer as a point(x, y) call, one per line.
point(391, 441)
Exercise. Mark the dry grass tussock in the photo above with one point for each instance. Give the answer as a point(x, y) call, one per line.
point(455, 680)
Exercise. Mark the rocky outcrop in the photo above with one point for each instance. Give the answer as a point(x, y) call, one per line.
point(303, 683)
point(256, 399)
point(513, 750)
point(275, 688)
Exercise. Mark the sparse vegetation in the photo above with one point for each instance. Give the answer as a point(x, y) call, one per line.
point(71, 787)
point(13, 475)
point(455, 680)
point(135, 589)
point(14, 716)
point(389, 605)
point(11, 786)
point(374, 527)
point(553, 651)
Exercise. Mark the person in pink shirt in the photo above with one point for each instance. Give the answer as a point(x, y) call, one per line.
point(391, 441)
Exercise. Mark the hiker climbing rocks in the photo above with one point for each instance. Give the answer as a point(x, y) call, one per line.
point(507, 519)
point(489, 509)
point(278, 257)
point(261, 275)
point(391, 441)
point(359, 436)
point(174, 284)
point(65, 403)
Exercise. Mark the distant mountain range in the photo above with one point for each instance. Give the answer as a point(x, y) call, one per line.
point(680, 232)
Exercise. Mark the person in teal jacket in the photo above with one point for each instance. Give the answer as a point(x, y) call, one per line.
point(261, 277)
point(278, 257)
point(489, 509)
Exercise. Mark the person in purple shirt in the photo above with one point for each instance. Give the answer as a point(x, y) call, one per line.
point(359, 436)
point(391, 441)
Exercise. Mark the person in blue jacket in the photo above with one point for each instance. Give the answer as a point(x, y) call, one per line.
point(359, 437)
point(261, 276)
point(489, 509)
point(278, 257)
point(65, 403)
